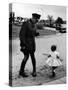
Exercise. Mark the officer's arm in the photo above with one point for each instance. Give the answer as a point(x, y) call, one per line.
point(22, 35)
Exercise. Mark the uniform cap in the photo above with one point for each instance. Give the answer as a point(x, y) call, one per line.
point(36, 16)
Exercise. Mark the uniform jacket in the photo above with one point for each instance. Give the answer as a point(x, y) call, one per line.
point(27, 35)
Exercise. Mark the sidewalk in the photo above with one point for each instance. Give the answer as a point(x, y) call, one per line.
point(42, 78)
point(59, 81)
point(42, 45)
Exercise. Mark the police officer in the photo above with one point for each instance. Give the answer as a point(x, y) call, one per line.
point(27, 43)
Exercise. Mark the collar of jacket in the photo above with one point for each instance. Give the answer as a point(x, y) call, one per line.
point(31, 21)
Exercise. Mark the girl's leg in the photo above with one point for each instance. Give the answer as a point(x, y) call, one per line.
point(53, 71)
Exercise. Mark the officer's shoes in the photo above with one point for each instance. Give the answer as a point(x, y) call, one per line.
point(34, 74)
point(23, 74)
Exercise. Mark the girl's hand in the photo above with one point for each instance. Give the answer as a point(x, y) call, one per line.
point(45, 54)
point(61, 60)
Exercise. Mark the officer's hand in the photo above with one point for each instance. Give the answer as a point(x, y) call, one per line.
point(37, 34)
point(24, 47)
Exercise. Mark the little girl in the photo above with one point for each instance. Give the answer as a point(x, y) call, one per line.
point(53, 59)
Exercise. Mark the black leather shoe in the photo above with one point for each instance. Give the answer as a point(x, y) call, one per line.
point(23, 74)
point(34, 74)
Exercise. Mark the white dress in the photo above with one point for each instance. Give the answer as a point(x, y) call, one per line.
point(53, 61)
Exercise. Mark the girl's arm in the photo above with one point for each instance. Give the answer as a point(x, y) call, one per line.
point(48, 55)
point(59, 58)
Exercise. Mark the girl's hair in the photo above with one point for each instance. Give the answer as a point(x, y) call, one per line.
point(53, 47)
